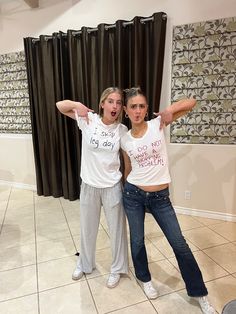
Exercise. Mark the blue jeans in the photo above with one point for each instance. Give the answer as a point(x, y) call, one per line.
point(136, 202)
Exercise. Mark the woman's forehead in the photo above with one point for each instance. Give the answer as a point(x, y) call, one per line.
point(138, 99)
point(114, 95)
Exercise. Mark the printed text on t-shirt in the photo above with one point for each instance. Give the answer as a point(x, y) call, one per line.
point(104, 139)
point(147, 155)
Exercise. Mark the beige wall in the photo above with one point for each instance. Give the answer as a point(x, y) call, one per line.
point(207, 171)
point(17, 161)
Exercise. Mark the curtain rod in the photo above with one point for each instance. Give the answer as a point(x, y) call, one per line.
point(74, 33)
point(114, 25)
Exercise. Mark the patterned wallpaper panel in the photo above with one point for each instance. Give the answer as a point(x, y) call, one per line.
point(14, 97)
point(204, 67)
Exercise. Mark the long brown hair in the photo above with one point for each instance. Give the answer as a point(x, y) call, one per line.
point(131, 92)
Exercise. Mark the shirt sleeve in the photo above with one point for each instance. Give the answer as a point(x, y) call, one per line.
point(123, 130)
point(82, 122)
point(156, 122)
point(123, 141)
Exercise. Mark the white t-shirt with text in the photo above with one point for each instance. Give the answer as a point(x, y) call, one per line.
point(148, 156)
point(100, 160)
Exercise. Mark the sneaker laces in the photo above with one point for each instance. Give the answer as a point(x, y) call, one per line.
point(206, 306)
point(113, 276)
point(113, 280)
point(148, 285)
point(149, 290)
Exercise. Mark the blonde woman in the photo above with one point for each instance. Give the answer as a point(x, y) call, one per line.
point(101, 181)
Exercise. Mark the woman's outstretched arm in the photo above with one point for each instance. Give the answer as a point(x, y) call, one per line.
point(69, 108)
point(176, 110)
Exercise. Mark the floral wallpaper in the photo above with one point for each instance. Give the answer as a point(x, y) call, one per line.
point(14, 97)
point(204, 67)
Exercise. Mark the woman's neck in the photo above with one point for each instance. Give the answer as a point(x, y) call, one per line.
point(107, 121)
point(138, 130)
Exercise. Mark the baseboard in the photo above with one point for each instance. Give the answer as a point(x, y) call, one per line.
point(178, 209)
point(18, 185)
point(205, 213)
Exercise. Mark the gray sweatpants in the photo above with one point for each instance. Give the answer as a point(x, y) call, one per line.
point(91, 200)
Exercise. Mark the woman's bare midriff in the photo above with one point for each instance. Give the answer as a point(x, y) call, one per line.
point(154, 188)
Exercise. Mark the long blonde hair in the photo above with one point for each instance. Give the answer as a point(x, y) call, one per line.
point(104, 96)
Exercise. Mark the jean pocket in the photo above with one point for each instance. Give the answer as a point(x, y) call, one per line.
point(130, 193)
point(161, 197)
point(130, 190)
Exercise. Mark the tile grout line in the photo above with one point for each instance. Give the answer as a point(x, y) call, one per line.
point(5, 211)
point(36, 253)
point(229, 274)
point(18, 297)
point(71, 235)
point(129, 306)
point(95, 305)
point(220, 235)
point(86, 279)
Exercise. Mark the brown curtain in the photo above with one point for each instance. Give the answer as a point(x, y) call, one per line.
point(79, 65)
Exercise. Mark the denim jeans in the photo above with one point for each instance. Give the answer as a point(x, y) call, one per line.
point(136, 203)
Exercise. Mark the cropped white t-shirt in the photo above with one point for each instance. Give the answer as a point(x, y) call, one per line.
point(148, 156)
point(100, 162)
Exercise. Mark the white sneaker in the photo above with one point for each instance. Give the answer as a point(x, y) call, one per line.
point(77, 273)
point(113, 280)
point(149, 290)
point(205, 305)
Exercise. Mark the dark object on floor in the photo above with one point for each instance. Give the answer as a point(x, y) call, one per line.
point(230, 308)
point(77, 254)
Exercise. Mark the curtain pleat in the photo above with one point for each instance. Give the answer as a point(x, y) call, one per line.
point(79, 65)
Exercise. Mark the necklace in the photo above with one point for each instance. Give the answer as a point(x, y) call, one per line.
point(139, 131)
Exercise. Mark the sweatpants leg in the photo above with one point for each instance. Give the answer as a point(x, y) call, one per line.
point(90, 210)
point(115, 216)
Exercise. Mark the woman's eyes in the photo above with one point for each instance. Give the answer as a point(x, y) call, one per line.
point(112, 102)
point(137, 106)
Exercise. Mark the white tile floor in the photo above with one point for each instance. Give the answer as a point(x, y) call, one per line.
point(39, 236)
